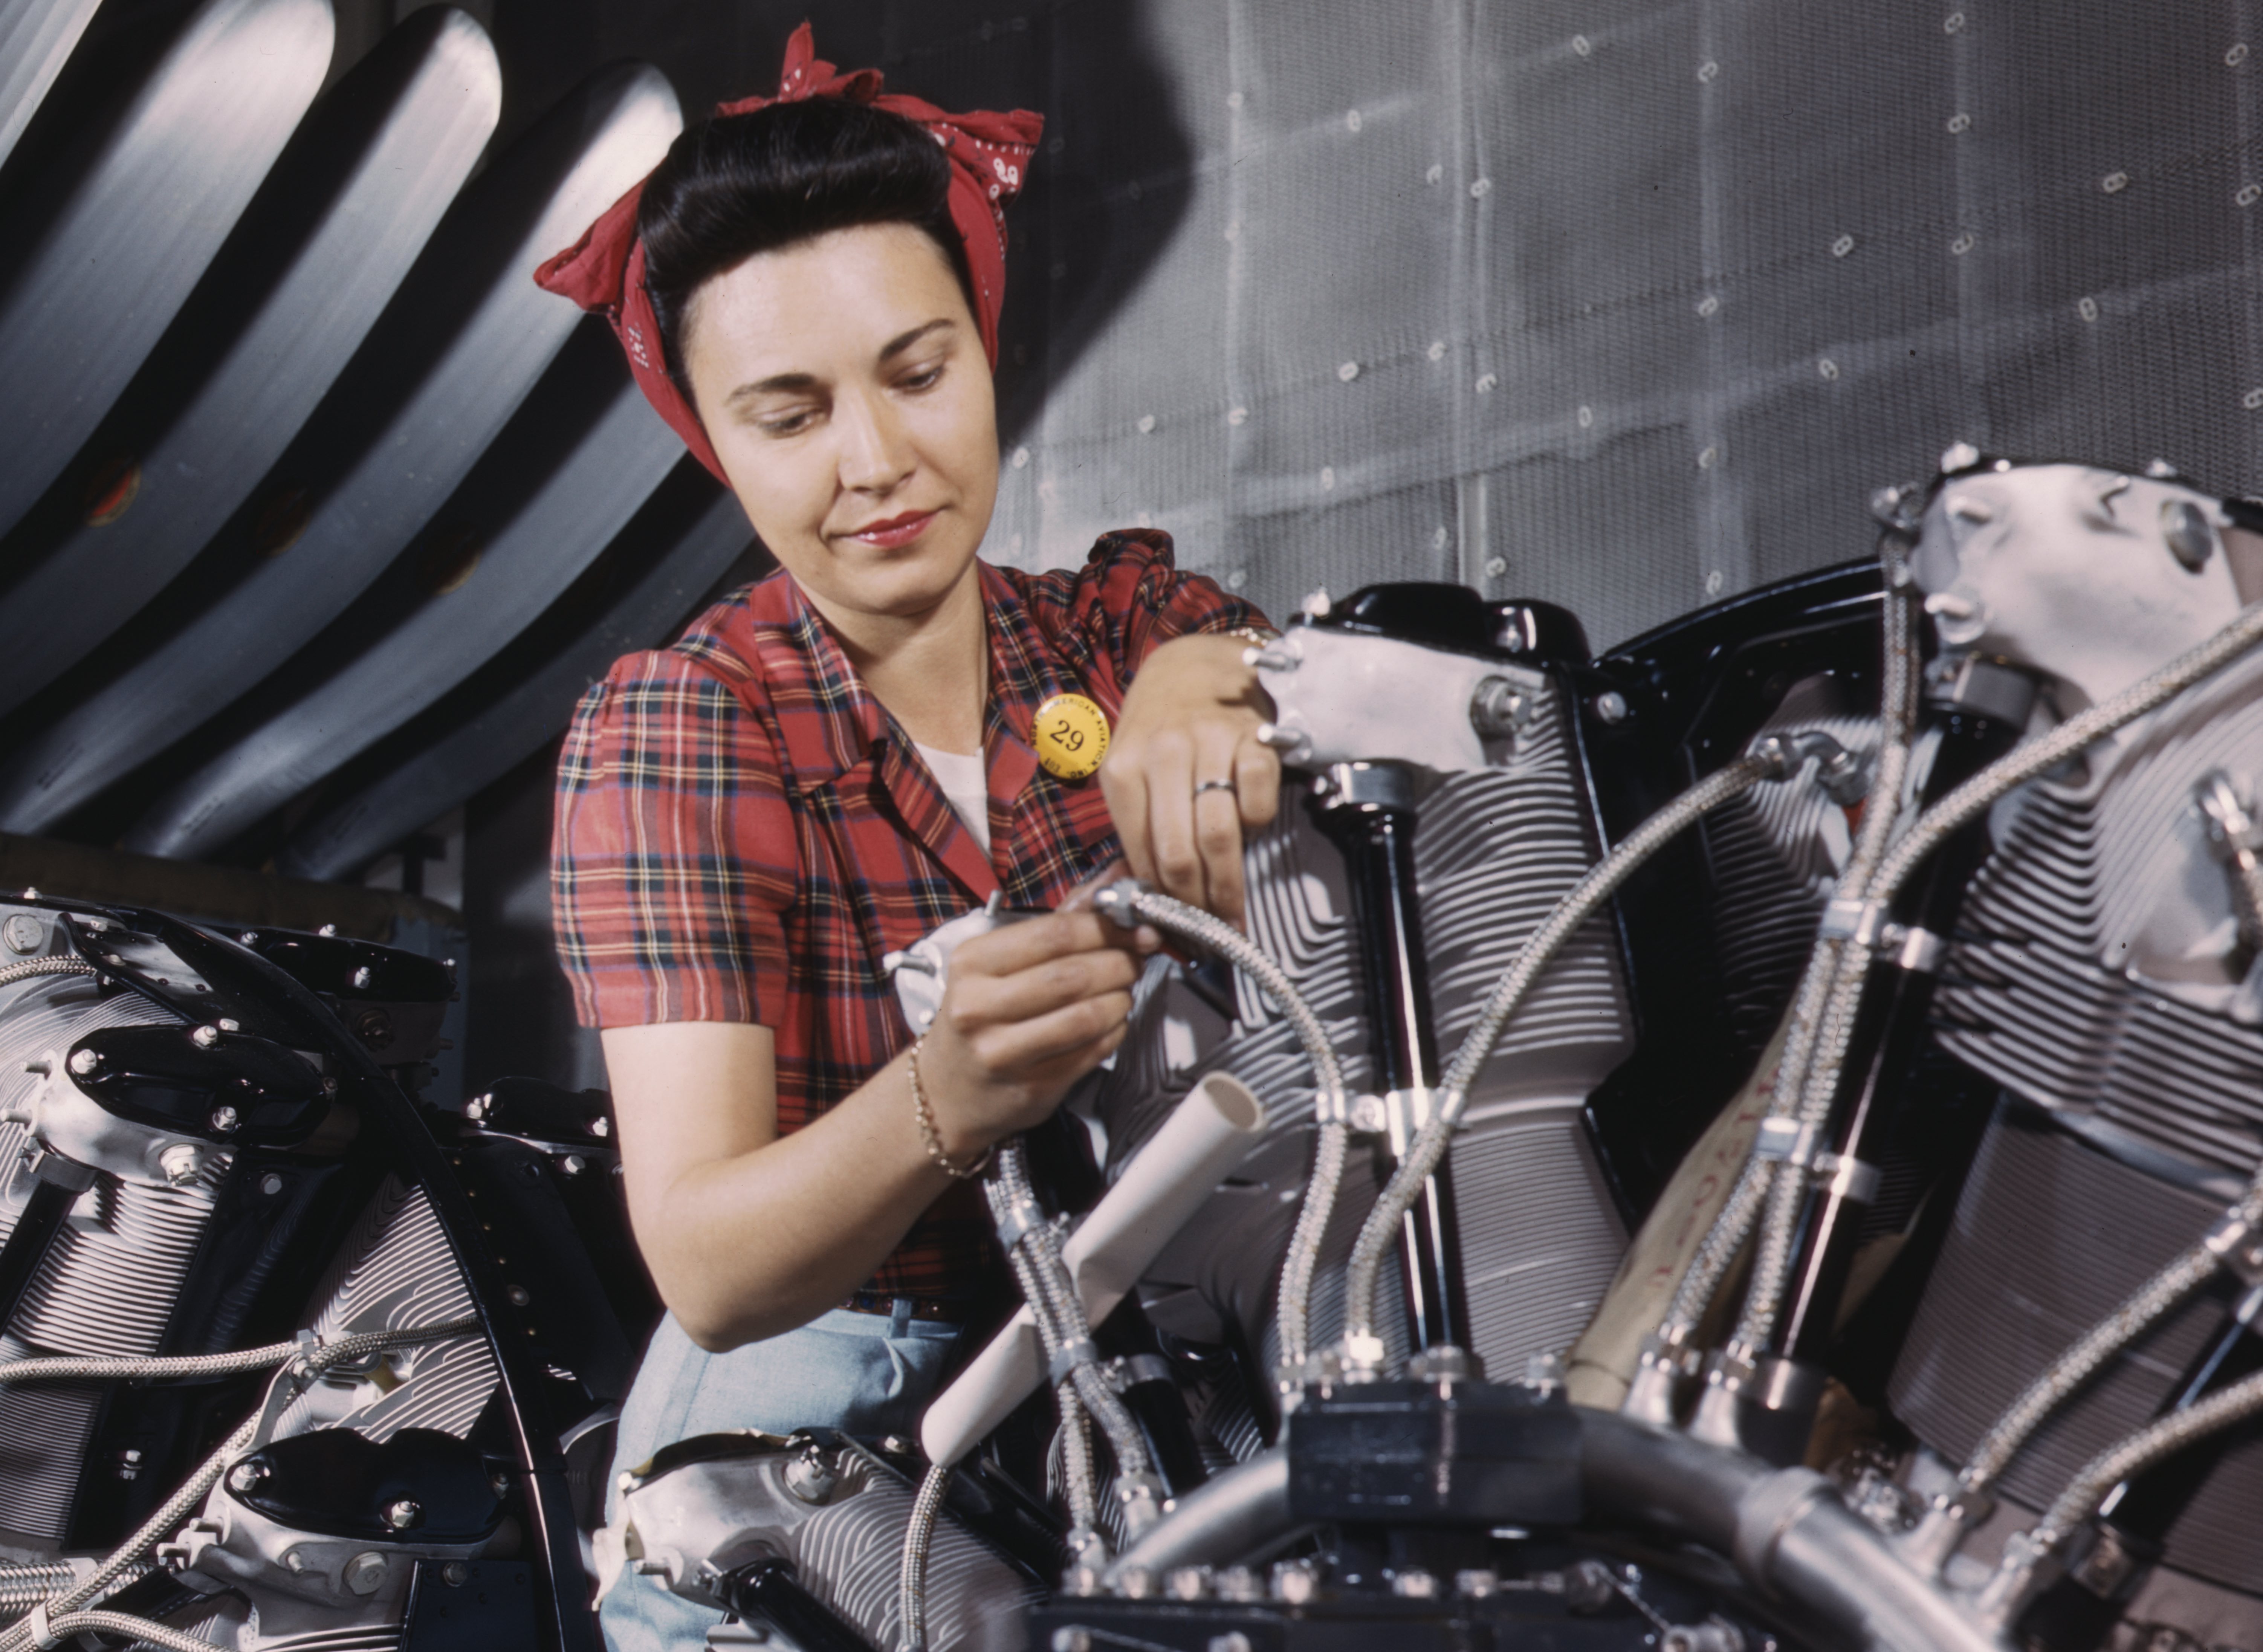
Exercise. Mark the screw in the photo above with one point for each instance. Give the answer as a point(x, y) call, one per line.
point(518, 1296)
point(245, 1474)
point(84, 1062)
point(179, 1163)
point(205, 1037)
point(402, 1513)
point(225, 1118)
point(250, 938)
point(270, 1184)
point(1611, 706)
point(455, 1574)
point(365, 1572)
point(328, 929)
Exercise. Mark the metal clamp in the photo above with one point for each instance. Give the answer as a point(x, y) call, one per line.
point(1077, 1350)
point(1016, 1220)
point(1860, 922)
point(1800, 1146)
point(2237, 1242)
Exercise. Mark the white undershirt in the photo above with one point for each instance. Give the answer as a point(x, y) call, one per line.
point(967, 784)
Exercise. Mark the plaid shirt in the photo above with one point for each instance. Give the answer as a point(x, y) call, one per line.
point(743, 831)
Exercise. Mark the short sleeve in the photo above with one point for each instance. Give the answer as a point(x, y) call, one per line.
point(673, 855)
point(1131, 598)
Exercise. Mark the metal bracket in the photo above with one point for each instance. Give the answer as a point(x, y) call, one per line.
point(2237, 1242)
point(1865, 924)
point(1077, 1350)
point(1860, 922)
point(1801, 1147)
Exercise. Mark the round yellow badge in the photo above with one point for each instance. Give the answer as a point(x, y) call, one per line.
point(1071, 736)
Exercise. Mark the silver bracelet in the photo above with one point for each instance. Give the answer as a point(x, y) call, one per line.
point(924, 1116)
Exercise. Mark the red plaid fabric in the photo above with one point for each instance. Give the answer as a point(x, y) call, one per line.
point(743, 831)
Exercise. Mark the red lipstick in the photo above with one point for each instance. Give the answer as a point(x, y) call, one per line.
point(895, 532)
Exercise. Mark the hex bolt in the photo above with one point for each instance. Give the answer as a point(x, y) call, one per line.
point(402, 1513)
point(84, 1062)
point(365, 1572)
point(225, 1118)
point(1611, 706)
point(601, 1127)
point(573, 1164)
point(363, 977)
point(205, 1037)
point(179, 1163)
point(246, 1474)
point(476, 1108)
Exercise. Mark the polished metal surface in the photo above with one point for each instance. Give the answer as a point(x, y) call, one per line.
point(471, 312)
point(36, 36)
point(117, 264)
point(593, 489)
point(438, 777)
point(374, 169)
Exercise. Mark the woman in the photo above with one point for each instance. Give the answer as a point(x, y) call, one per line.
point(833, 761)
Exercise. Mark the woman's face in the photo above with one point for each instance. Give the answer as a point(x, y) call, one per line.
point(844, 384)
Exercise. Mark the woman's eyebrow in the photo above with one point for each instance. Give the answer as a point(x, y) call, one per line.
point(790, 382)
point(902, 342)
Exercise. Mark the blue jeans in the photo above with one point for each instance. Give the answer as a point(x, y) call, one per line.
point(866, 1374)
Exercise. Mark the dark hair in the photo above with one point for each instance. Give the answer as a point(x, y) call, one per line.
point(739, 185)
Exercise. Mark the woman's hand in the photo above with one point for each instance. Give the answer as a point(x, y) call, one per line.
point(1027, 1010)
point(1189, 722)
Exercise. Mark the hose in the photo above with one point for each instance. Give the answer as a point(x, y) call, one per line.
point(917, 1535)
point(25, 1587)
point(31, 968)
point(1428, 1151)
point(175, 1509)
point(2075, 1366)
point(1826, 963)
point(68, 1625)
point(1968, 803)
point(2155, 1443)
point(1131, 902)
point(73, 1369)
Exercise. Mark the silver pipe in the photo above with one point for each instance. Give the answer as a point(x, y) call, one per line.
point(1785, 1528)
point(1226, 1519)
point(70, 1625)
point(2155, 1443)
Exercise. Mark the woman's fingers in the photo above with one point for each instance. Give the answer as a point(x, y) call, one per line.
point(1216, 804)
point(1174, 859)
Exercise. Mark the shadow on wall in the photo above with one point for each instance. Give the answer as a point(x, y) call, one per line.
point(1089, 69)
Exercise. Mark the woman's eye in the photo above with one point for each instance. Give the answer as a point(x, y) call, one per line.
point(921, 378)
point(791, 423)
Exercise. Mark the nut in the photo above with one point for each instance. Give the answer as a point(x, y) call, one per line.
point(84, 1062)
point(402, 1513)
point(225, 1118)
point(365, 1572)
point(179, 1163)
point(246, 1474)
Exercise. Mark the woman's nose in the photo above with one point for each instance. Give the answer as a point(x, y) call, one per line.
point(876, 451)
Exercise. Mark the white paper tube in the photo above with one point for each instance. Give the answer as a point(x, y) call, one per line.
point(1206, 1135)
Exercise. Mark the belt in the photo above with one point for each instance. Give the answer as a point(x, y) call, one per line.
point(911, 1307)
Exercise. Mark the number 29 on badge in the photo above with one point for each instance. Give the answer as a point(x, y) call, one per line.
point(1071, 737)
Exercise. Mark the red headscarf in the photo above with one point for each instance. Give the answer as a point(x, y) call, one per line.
point(989, 153)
